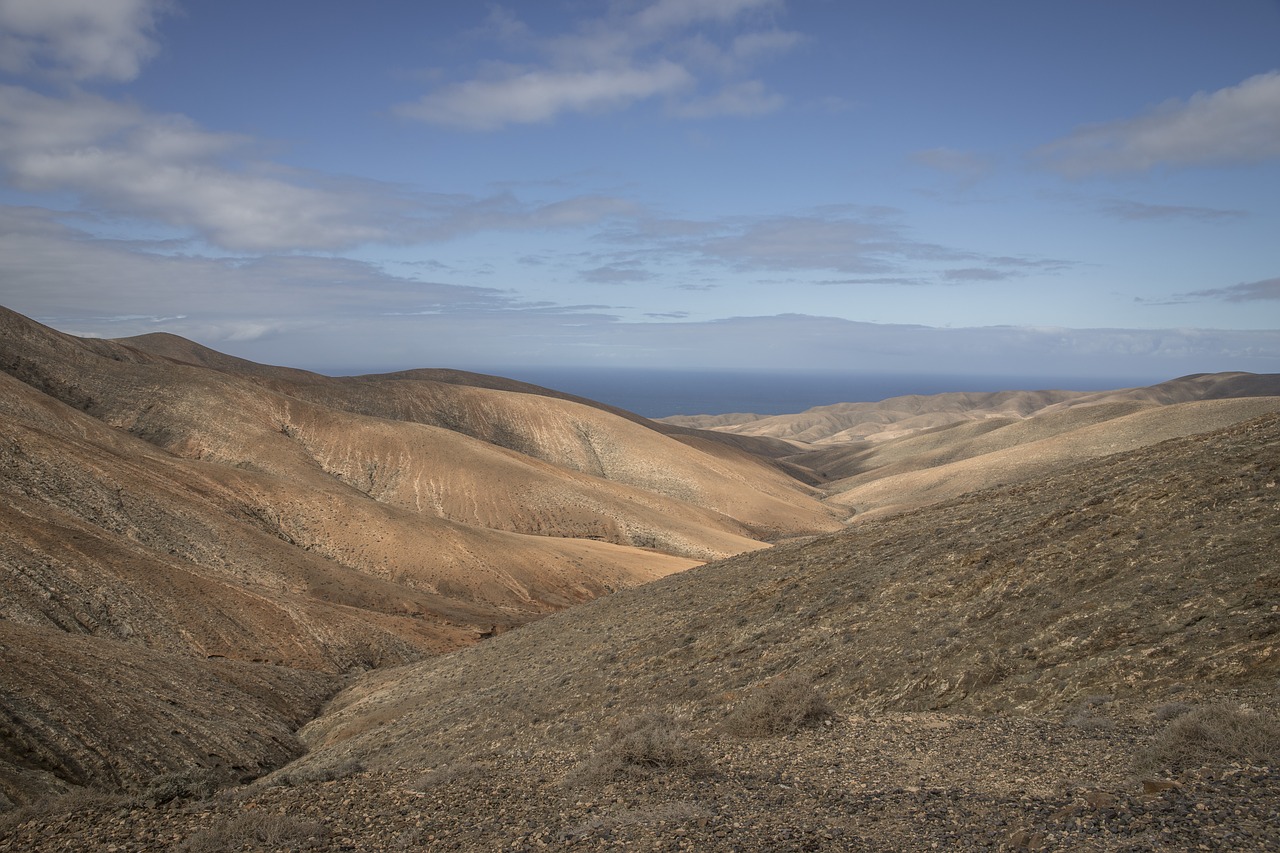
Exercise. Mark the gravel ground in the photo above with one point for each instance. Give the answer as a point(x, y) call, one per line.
point(911, 782)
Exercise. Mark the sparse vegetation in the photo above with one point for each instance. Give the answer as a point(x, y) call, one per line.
point(293, 776)
point(674, 813)
point(192, 784)
point(257, 831)
point(1209, 736)
point(75, 800)
point(1170, 710)
point(779, 707)
point(638, 746)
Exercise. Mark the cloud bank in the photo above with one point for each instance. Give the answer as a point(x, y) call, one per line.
point(676, 50)
point(1236, 125)
point(337, 314)
point(1254, 291)
point(78, 39)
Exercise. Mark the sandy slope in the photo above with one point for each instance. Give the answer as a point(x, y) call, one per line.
point(1016, 451)
point(895, 417)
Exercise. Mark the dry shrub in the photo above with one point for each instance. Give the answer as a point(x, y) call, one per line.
point(779, 707)
point(192, 784)
point(1170, 710)
point(1214, 734)
point(297, 777)
point(256, 830)
point(75, 800)
point(638, 746)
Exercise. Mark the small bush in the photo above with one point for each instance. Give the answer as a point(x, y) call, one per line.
point(1214, 734)
point(779, 707)
point(638, 746)
point(294, 777)
point(1170, 710)
point(258, 831)
point(72, 801)
point(195, 784)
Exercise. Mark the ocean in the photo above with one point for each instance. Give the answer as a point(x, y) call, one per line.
point(659, 393)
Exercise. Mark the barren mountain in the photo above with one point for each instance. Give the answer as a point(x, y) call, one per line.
point(219, 509)
point(926, 467)
point(211, 568)
point(1147, 576)
point(895, 417)
point(1083, 661)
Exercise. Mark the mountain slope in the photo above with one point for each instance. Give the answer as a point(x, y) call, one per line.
point(1019, 450)
point(218, 512)
point(1147, 575)
point(999, 667)
point(895, 417)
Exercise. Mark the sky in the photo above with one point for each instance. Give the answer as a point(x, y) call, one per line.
point(886, 186)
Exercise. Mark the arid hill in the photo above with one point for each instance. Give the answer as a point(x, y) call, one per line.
point(222, 510)
point(907, 452)
point(460, 612)
point(896, 417)
point(1087, 660)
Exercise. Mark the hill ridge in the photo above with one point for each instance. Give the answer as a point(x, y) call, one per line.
point(211, 568)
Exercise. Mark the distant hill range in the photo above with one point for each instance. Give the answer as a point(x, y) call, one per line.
point(197, 552)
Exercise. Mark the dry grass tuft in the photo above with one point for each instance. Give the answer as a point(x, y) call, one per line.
point(193, 784)
point(779, 707)
point(1214, 734)
point(638, 746)
point(73, 801)
point(257, 831)
point(293, 777)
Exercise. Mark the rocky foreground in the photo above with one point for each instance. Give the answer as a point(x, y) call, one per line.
point(911, 782)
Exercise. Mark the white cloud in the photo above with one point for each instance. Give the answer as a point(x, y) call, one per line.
point(166, 169)
point(538, 96)
point(866, 245)
point(327, 313)
point(663, 50)
point(752, 46)
point(50, 269)
point(124, 162)
point(666, 15)
point(1236, 125)
point(866, 242)
point(80, 39)
point(806, 242)
point(975, 274)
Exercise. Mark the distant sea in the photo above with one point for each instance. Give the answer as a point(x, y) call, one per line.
point(658, 393)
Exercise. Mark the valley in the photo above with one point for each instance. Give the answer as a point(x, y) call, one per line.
point(423, 609)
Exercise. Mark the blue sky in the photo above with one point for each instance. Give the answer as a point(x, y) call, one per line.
point(1085, 188)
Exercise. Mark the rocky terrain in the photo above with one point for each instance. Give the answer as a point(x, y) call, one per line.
point(181, 502)
point(1055, 629)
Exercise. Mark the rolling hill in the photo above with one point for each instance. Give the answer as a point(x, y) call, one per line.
point(446, 610)
point(233, 512)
